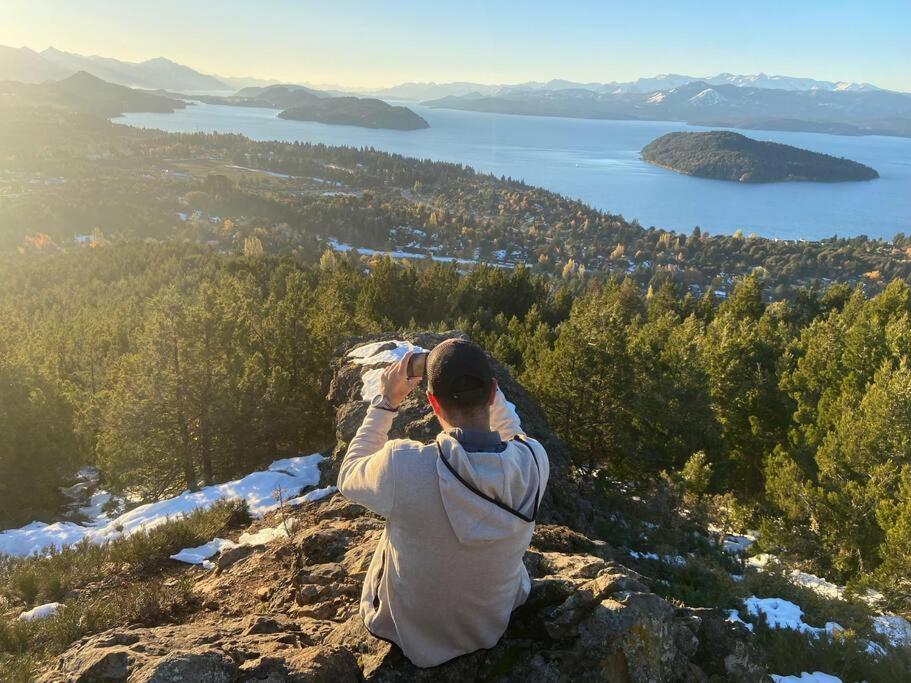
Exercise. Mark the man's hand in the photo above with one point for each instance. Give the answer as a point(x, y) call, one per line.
point(395, 382)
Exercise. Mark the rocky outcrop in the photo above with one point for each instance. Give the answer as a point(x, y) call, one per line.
point(289, 611)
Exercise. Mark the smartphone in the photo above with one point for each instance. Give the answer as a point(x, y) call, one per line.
point(417, 364)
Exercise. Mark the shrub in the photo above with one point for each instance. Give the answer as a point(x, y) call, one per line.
point(697, 474)
point(25, 646)
point(145, 550)
point(701, 582)
point(26, 584)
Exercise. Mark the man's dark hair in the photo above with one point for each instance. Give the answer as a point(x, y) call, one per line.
point(459, 375)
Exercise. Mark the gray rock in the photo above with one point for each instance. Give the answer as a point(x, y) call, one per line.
point(201, 666)
point(231, 556)
point(102, 665)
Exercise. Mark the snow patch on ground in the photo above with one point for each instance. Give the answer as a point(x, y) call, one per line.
point(761, 560)
point(41, 612)
point(203, 552)
point(673, 560)
point(312, 496)
point(817, 584)
point(896, 629)
point(734, 617)
point(36, 536)
point(815, 677)
point(265, 535)
point(736, 544)
point(892, 627)
point(780, 613)
point(258, 489)
point(97, 501)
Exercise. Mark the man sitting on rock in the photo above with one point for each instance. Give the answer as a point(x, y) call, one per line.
point(459, 511)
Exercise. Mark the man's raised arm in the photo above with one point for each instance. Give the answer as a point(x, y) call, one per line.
point(503, 418)
point(366, 475)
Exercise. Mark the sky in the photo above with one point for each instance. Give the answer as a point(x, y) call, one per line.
point(382, 43)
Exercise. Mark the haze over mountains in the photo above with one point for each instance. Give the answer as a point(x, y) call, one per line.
point(27, 66)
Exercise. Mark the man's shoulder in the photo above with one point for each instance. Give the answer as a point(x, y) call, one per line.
point(532, 443)
point(404, 448)
point(411, 460)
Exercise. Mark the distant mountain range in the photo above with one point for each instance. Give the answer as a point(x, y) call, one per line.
point(841, 111)
point(429, 91)
point(27, 66)
point(741, 101)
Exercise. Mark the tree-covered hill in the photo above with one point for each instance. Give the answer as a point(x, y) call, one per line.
point(303, 104)
point(87, 93)
point(724, 155)
point(356, 111)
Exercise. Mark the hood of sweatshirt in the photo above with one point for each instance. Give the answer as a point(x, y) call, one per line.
point(509, 483)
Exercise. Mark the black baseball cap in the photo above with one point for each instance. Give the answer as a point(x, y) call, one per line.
point(459, 374)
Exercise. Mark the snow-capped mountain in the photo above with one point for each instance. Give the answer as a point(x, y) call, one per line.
point(661, 82)
point(706, 97)
point(762, 80)
point(843, 86)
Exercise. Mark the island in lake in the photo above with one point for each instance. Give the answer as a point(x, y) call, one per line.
point(731, 156)
point(356, 111)
point(298, 103)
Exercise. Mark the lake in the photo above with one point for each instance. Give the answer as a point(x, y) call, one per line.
point(598, 162)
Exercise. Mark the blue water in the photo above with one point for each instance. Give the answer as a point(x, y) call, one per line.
point(598, 162)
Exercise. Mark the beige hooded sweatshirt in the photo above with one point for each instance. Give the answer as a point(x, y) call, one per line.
point(448, 570)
